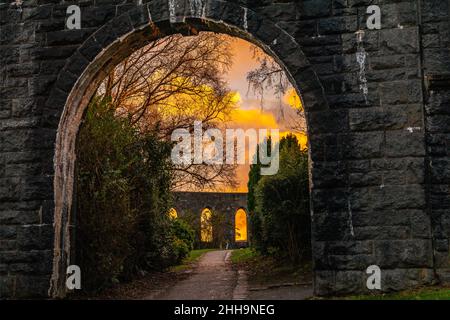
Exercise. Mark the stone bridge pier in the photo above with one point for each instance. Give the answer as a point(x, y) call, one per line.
point(376, 103)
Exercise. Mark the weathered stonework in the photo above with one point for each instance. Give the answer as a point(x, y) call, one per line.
point(227, 204)
point(380, 163)
point(436, 70)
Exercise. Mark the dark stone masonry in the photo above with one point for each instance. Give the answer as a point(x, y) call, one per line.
point(380, 162)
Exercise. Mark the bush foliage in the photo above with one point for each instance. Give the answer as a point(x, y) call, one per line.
point(279, 204)
point(123, 196)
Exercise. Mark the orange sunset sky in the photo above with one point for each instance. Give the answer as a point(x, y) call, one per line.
point(248, 113)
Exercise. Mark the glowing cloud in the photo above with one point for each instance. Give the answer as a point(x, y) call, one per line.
point(243, 118)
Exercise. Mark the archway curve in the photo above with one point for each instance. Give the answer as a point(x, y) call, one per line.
point(206, 232)
point(117, 39)
point(243, 237)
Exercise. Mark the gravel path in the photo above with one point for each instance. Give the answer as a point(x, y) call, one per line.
point(213, 279)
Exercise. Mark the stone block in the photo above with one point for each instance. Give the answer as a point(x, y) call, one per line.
point(332, 226)
point(95, 16)
point(391, 254)
point(77, 64)
point(438, 123)
point(8, 232)
point(404, 143)
point(32, 286)
point(314, 8)
point(379, 218)
point(371, 199)
point(402, 279)
point(399, 15)
point(7, 286)
point(395, 41)
point(370, 42)
point(371, 119)
point(329, 174)
point(363, 145)
point(90, 49)
point(339, 25)
point(139, 16)
point(401, 92)
point(35, 237)
point(279, 11)
point(335, 121)
point(440, 171)
point(17, 217)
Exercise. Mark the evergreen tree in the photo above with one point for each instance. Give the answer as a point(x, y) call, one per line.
point(280, 215)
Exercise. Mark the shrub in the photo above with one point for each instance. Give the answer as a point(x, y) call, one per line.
point(281, 218)
point(180, 249)
point(182, 231)
point(182, 239)
point(123, 180)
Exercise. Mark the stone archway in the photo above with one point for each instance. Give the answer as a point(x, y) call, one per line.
point(379, 166)
point(224, 203)
point(131, 30)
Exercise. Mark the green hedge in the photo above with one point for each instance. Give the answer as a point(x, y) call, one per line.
point(123, 196)
point(280, 217)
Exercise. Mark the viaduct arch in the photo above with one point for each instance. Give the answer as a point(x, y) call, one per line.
point(227, 204)
point(380, 162)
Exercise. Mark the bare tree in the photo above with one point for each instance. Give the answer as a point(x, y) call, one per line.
point(269, 75)
point(171, 83)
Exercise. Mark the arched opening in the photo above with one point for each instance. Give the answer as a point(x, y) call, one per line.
point(240, 229)
point(173, 214)
point(206, 227)
point(362, 142)
point(85, 87)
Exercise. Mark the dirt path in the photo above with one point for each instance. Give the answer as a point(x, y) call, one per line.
point(212, 279)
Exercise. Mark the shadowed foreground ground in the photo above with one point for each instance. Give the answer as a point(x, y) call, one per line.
point(212, 279)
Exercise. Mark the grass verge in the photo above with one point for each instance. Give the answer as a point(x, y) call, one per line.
point(267, 270)
point(244, 255)
point(192, 258)
point(426, 293)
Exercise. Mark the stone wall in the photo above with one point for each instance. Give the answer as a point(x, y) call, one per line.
point(435, 26)
point(193, 203)
point(379, 162)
